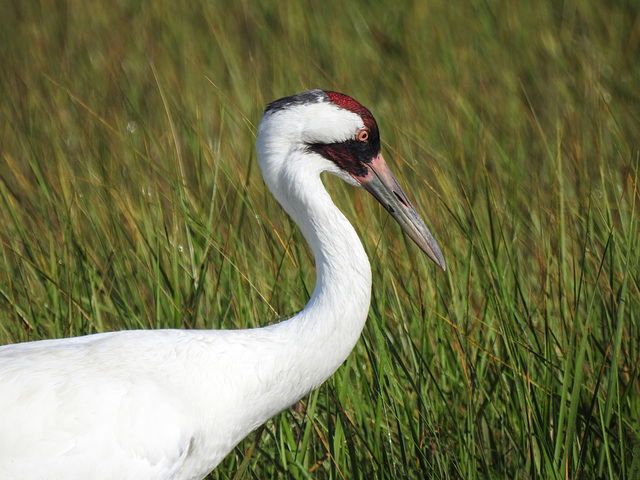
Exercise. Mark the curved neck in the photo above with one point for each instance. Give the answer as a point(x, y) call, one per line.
point(326, 330)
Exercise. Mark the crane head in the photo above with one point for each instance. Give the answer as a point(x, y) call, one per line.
point(341, 131)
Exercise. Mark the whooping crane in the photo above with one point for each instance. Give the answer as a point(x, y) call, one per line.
point(170, 404)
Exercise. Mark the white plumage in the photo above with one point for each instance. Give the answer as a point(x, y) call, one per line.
point(170, 404)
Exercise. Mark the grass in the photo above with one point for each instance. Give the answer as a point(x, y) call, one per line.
point(130, 198)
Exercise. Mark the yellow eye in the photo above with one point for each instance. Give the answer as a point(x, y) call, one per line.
point(363, 135)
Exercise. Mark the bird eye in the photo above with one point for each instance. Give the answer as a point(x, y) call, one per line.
point(363, 135)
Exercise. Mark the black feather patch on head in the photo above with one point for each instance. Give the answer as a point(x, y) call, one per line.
point(350, 155)
point(311, 96)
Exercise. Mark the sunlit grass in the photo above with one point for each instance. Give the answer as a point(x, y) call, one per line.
point(130, 198)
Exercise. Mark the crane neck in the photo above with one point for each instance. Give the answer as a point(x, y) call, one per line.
point(329, 326)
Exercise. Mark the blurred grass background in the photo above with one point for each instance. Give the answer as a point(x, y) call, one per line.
point(130, 198)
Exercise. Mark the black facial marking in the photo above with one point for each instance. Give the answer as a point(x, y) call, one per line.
point(353, 155)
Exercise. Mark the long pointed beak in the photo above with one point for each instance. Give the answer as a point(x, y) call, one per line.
point(381, 183)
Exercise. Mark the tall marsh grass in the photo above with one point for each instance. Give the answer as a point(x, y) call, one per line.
point(130, 198)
